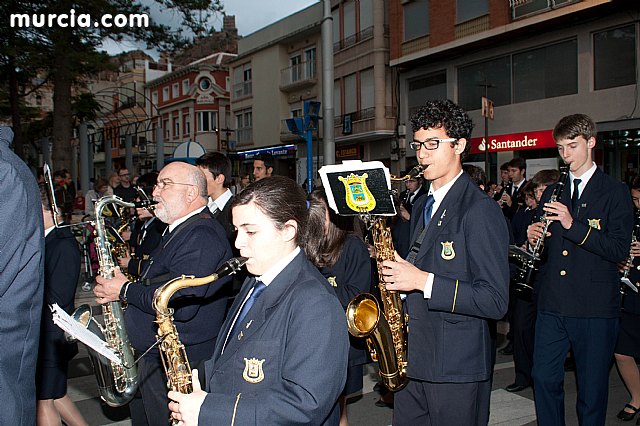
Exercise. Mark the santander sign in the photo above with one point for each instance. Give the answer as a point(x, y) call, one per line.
point(514, 142)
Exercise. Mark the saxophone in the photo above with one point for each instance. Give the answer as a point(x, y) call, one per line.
point(386, 333)
point(117, 384)
point(172, 351)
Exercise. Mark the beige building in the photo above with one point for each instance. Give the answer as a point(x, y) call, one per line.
point(278, 69)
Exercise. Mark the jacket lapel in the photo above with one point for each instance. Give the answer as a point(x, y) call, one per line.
point(448, 209)
point(261, 309)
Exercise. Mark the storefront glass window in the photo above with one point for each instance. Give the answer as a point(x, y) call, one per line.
point(536, 74)
point(615, 57)
point(471, 78)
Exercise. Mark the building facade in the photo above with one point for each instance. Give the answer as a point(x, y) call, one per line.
point(537, 61)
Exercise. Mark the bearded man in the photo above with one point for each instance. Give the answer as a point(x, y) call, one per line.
point(194, 244)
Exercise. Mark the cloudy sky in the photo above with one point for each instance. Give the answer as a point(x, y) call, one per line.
point(251, 15)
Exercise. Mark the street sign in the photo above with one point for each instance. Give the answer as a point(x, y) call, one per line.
point(487, 108)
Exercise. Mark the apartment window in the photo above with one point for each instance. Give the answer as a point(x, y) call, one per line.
point(185, 87)
point(335, 14)
point(349, 16)
point(167, 129)
point(175, 92)
point(186, 119)
point(536, 74)
point(310, 62)
point(242, 81)
point(416, 19)
point(207, 120)
point(296, 112)
point(366, 14)
point(296, 72)
point(366, 89)
point(350, 94)
point(470, 9)
point(165, 94)
point(176, 127)
point(496, 72)
point(614, 54)
point(154, 99)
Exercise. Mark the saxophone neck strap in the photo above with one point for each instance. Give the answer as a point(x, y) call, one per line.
point(415, 248)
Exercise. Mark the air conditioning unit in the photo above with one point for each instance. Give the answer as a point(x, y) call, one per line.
point(402, 130)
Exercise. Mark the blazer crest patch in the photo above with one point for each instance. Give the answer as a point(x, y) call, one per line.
point(595, 223)
point(253, 372)
point(332, 281)
point(448, 252)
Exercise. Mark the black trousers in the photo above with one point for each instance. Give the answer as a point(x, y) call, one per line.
point(427, 403)
point(150, 407)
point(524, 326)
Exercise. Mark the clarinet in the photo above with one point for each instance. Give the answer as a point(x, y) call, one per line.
point(625, 282)
point(530, 262)
point(505, 190)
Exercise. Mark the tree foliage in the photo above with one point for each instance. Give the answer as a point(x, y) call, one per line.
point(65, 56)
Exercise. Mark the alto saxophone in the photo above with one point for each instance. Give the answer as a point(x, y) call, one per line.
point(386, 332)
point(117, 384)
point(172, 351)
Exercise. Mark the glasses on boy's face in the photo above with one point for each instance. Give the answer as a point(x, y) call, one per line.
point(163, 183)
point(430, 144)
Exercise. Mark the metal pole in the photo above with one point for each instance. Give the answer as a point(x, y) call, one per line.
point(84, 158)
point(308, 135)
point(108, 162)
point(159, 148)
point(327, 86)
point(128, 149)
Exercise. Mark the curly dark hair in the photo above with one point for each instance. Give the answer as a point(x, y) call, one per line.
point(444, 114)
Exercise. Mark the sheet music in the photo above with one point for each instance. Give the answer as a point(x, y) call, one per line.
point(78, 331)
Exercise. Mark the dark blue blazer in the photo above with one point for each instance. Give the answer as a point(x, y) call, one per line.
point(466, 248)
point(351, 276)
point(578, 275)
point(61, 273)
point(21, 285)
point(297, 330)
point(199, 248)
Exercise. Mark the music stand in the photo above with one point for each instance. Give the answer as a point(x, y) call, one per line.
point(358, 188)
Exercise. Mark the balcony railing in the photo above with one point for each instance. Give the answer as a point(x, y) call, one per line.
point(299, 73)
point(242, 90)
point(523, 8)
point(365, 34)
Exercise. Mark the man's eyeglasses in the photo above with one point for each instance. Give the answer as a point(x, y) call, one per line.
point(162, 183)
point(430, 144)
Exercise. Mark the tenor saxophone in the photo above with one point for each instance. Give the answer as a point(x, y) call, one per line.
point(117, 384)
point(386, 329)
point(172, 351)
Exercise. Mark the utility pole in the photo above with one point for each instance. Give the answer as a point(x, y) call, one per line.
point(327, 85)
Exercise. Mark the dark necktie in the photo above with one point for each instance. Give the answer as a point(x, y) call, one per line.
point(258, 288)
point(576, 194)
point(428, 209)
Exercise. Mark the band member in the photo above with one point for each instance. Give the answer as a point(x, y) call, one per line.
point(146, 234)
point(21, 283)
point(343, 259)
point(194, 244)
point(217, 169)
point(456, 281)
point(524, 308)
point(61, 273)
point(282, 354)
point(628, 345)
point(577, 284)
point(402, 224)
point(512, 198)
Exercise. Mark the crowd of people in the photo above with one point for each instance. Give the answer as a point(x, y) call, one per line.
point(271, 346)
